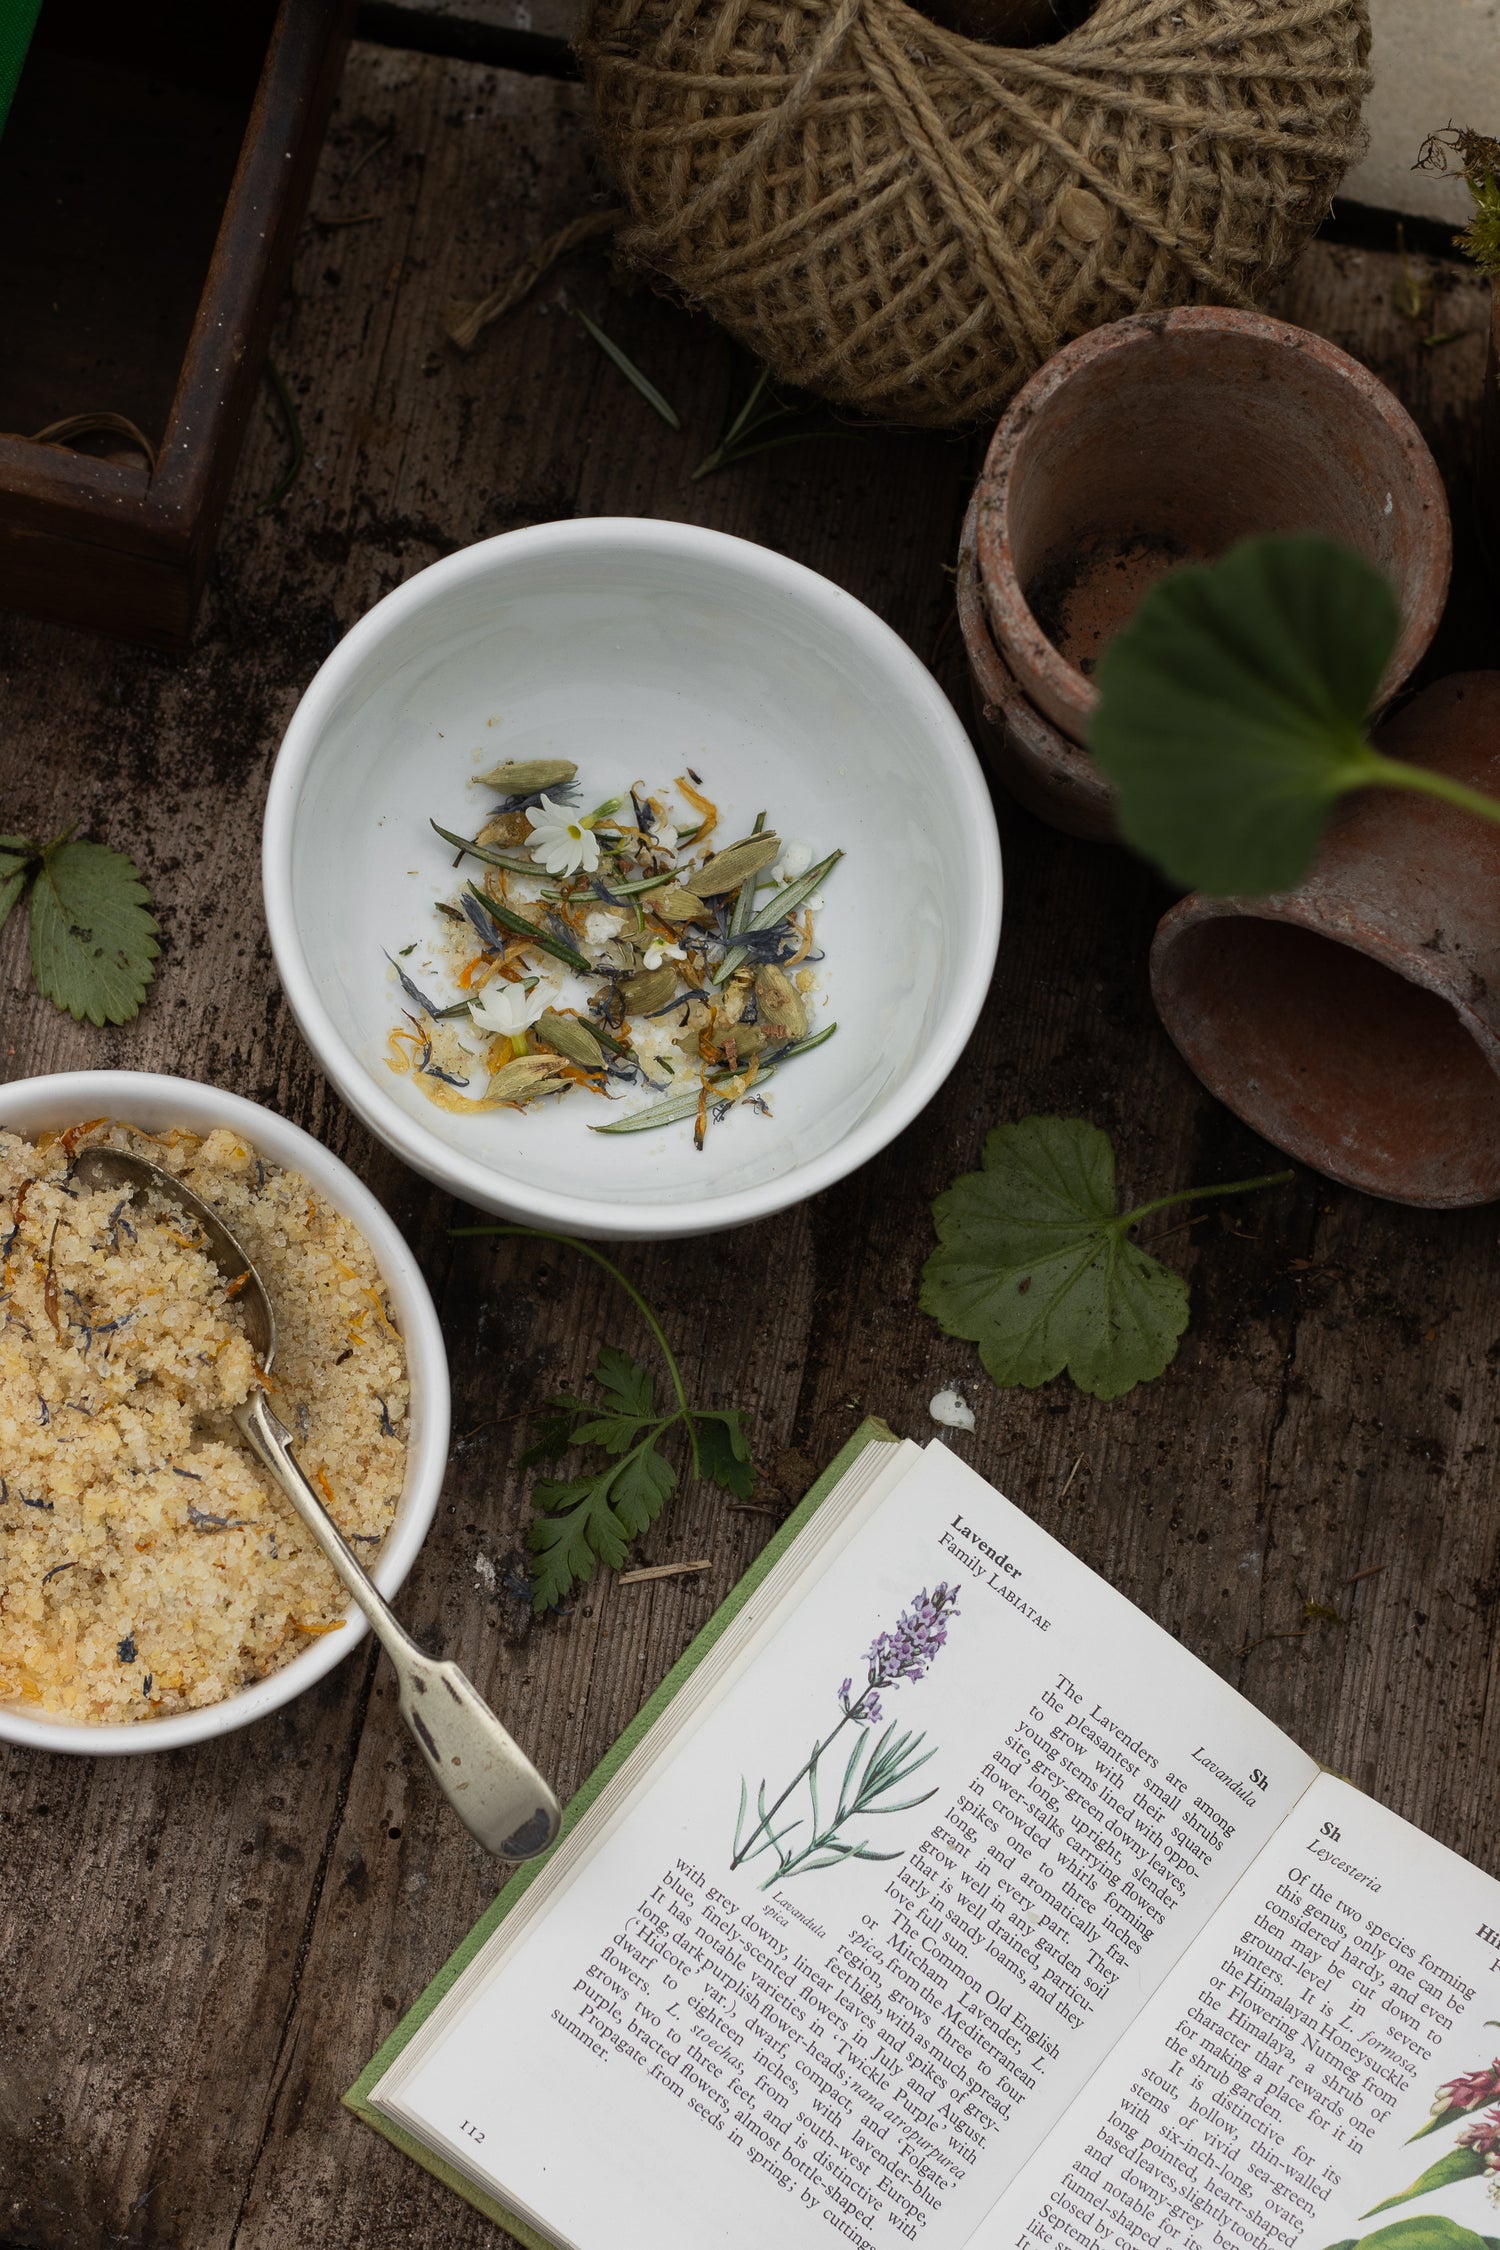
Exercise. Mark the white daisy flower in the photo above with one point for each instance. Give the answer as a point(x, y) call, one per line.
point(507, 1009)
point(560, 842)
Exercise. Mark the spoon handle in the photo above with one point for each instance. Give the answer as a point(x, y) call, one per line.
point(487, 1779)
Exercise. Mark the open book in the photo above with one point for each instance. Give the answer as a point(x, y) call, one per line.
point(940, 1897)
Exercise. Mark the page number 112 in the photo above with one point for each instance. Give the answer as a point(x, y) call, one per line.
point(474, 2132)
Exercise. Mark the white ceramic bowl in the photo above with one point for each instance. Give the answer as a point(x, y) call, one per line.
point(637, 648)
point(33, 1105)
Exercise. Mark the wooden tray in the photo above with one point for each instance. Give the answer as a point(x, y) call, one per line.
point(153, 174)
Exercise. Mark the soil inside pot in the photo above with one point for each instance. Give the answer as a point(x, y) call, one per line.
point(1339, 1060)
point(1082, 599)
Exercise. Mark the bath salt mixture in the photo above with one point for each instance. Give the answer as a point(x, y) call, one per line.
point(147, 1563)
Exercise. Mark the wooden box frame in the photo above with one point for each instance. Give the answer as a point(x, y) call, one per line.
point(109, 544)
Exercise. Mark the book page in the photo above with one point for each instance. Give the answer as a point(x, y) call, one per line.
point(843, 1997)
point(1267, 2096)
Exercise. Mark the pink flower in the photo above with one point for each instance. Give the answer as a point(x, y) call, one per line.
point(1471, 2092)
point(1482, 2135)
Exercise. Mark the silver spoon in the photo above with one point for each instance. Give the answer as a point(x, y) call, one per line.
point(487, 1779)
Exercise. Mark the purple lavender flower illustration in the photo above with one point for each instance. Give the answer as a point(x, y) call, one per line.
point(898, 1658)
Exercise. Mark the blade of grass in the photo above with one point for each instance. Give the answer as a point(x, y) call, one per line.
point(631, 372)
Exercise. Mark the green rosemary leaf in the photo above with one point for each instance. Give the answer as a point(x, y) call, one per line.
point(782, 902)
point(93, 938)
point(744, 903)
point(511, 861)
point(516, 925)
point(631, 372)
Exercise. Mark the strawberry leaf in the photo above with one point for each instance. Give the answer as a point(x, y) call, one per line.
point(17, 857)
point(93, 939)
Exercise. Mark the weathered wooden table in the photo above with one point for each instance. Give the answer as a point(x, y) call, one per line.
point(200, 1950)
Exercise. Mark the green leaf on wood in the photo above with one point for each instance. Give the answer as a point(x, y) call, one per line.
point(93, 939)
point(1035, 1263)
point(1458, 2164)
point(593, 1518)
point(1232, 709)
point(17, 856)
point(724, 1451)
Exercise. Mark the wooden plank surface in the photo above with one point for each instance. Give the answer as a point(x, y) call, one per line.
point(198, 1951)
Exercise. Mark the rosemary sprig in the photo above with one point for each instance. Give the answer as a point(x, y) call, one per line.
point(631, 372)
point(680, 1106)
point(776, 909)
point(516, 925)
point(510, 861)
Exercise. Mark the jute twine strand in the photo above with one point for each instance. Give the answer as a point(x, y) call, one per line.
point(910, 221)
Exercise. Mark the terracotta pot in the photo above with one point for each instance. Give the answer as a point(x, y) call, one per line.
point(1043, 770)
point(1165, 439)
point(1355, 1021)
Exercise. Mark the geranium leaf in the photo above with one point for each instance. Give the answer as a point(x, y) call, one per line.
point(93, 939)
point(1458, 2164)
point(1034, 1265)
point(1232, 710)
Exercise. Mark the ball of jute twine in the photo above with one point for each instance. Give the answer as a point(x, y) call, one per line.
point(909, 222)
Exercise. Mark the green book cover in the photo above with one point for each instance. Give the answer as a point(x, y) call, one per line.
point(871, 1431)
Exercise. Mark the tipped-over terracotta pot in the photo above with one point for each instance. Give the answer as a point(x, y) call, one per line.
point(1165, 439)
point(1355, 1021)
point(1044, 769)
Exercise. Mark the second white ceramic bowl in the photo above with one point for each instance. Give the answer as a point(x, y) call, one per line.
point(639, 649)
point(156, 1104)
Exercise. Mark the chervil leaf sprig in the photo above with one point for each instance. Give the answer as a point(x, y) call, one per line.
point(595, 1516)
point(93, 939)
point(1037, 1267)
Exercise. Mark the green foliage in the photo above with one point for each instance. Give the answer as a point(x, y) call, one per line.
point(1458, 2164)
point(1232, 708)
point(1035, 1264)
point(1430, 2232)
point(93, 939)
point(595, 1516)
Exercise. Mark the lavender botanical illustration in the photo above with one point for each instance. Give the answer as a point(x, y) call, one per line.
point(816, 1836)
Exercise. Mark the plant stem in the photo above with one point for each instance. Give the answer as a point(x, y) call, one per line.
point(1395, 773)
point(796, 1781)
point(1194, 1195)
point(586, 1250)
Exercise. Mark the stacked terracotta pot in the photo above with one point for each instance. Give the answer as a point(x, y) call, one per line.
point(1350, 1021)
